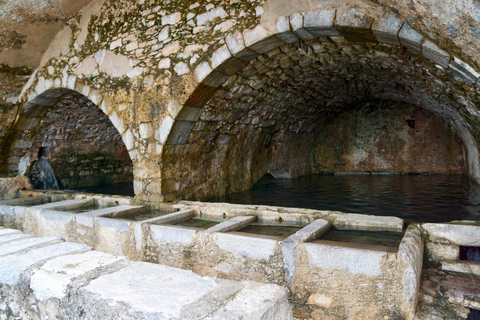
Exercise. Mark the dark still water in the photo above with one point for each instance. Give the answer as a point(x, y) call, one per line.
point(415, 198)
point(120, 189)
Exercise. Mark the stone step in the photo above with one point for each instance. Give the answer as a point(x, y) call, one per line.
point(70, 281)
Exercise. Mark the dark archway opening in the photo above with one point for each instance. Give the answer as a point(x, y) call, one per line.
point(77, 139)
point(322, 106)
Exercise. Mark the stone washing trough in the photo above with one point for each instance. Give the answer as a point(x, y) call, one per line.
point(311, 268)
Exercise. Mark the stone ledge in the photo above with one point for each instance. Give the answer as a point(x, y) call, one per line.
point(462, 235)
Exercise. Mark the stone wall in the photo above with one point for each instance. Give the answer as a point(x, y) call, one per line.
point(388, 138)
point(181, 82)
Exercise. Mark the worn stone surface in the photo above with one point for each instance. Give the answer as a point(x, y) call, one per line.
point(462, 235)
point(67, 281)
point(468, 267)
point(182, 295)
point(9, 187)
point(445, 295)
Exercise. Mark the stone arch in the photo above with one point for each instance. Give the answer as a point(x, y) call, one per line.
point(80, 141)
point(445, 86)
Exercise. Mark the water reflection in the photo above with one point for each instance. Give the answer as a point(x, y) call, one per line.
point(415, 198)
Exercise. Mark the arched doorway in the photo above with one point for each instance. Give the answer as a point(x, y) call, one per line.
point(76, 138)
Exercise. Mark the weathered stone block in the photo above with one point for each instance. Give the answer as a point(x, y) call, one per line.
point(410, 262)
point(190, 114)
point(252, 247)
point(289, 245)
point(355, 26)
point(211, 15)
point(172, 217)
point(260, 40)
point(296, 22)
point(12, 266)
point(4, 232)
point(461, 71)
point(233, 224)
point(53, 279)
point(236, 45)
point(170, 234)
point(437, 252)
point(431, 51)
point(387, 28)
point(22, 244)
point(469, 267)
point(204, 296)
point(219, 56)
point(283, 30)
point(114, 236)
point(321, 23)
point(462, 235)
point(202, 71)
point(215, 79)
point(367, 222)
point(351, 260)
point(13, 236)
point(180, 132)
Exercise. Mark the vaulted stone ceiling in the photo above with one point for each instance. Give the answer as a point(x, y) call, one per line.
point(159, 70)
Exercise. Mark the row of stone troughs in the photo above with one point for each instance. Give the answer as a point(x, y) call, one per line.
point(48, 278)
point(324, 279)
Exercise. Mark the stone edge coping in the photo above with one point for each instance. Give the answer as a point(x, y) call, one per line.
point(462, 266)
point(296, 216)
point(52, 277)
point(232, 224)
point(115, 211)
point(63, 205)
point(455, 233)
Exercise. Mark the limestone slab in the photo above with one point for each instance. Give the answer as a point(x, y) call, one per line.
point(54, 277)
point(4, 232)
point(470, 267)
point(180, 294)
point(461, 71)
point(171, 217)
point(431, 51)
point(252, 247)
point(232, 224)
point(12, 266)
point(462, 235)
point(61, 205)
point(411, 39)
point(367, 222)
point(289, 245)
point(116, 224)
point(351, 260)
point(13, 236)
point(26, 244)
point(283, 30)
point(321, 23)
point(247, 305)
point(171, 234)
point(113, 211)
point(296, 22)
point(387, 28)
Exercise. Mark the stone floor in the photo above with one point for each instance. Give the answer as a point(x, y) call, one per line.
point(447, 295)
